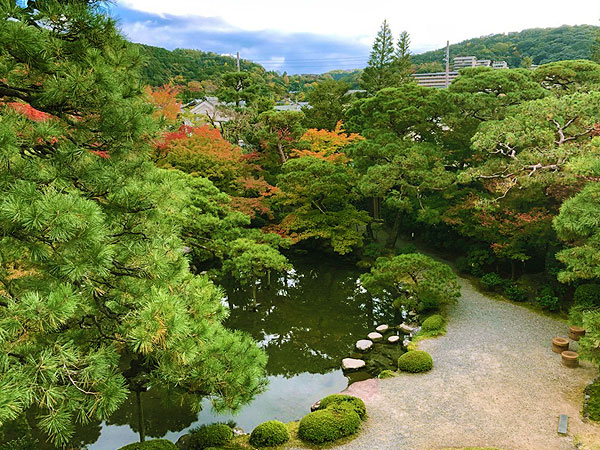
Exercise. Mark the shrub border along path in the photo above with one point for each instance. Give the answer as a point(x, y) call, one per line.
point(495, 383)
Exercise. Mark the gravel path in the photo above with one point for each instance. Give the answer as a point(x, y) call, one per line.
point(495, 383)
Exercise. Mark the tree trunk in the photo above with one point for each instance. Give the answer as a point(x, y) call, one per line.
point(393, 237)
point(281, 154)
point(138, 396)
point(512, 269)
point(376, 208)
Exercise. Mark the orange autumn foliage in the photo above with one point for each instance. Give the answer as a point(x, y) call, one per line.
point(326, 144)
point(164, 100)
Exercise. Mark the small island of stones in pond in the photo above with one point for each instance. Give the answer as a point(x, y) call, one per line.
point(379, 351)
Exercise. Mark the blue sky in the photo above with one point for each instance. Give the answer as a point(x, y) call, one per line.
point(314, 36)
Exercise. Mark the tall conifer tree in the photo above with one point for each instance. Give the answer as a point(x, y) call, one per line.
point(96, 298)
point(402, 60)
point(379, 72)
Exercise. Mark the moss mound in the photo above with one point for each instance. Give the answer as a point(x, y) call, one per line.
point(327, 425)
point(157, 444)
point(387, 374)
point(433, 323)
point(357, 404)
point(415, 361)
point(214, 435)
point(269, 434)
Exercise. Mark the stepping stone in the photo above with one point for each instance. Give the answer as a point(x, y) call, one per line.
point(563, 422)
point(364, 345)
point(382, 328)
point(406, 328)
point(406, 342)
point(375, 337)
point(352, 364)
point(393, 339)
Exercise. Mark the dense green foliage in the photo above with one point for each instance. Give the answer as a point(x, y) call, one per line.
point(357, 403)
point(433, 323)
point(587, 295)
point(541, 45)
point(592, 405)
point(412, 280)
point(156, 444)
point(492, 281)
point(415, 361)
point(327, 425)
point(213, 435)
point(269, 434)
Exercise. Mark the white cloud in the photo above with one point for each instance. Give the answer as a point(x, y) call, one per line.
point(429, 23)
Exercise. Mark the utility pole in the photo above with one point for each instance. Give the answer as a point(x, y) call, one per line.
point(237, 61)
point(447, 63)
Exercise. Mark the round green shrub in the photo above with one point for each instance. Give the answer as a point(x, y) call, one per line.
point(214, 435)
point(386, 374)
point(516, 293)
point(415, 361)
point(269, 434)
point(330, 424)
point(156, 444)
point(357, 404)
point(492, 281)
point(433, 323)
point(587, 295)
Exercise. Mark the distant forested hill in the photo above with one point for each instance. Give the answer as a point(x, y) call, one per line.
point(191, 65)
point(542, 45)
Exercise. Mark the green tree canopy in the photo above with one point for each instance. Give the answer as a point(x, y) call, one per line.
point(96, 298)
point(412, 280)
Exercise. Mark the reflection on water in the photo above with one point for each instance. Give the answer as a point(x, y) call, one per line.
point(307, 321)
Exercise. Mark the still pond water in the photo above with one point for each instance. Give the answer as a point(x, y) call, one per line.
point(307, 321)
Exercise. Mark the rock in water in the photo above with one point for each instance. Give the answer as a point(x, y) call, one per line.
point(375, 337)
point(393, 339)
point(382, 328)
point(352, 364)
point(406, 328)
point(364, 345)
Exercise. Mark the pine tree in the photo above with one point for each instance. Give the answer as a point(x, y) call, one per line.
point(403, 67)
point(96, 297)
point(379, 72)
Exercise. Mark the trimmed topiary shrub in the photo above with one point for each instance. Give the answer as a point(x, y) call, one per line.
point(156, 444)
point(214, 435)
point(330, 424)
point(587, 295)
point(492, 281)
point(269, 434)
point(516, 293)
point(415, 361)
point(433, 323)
point(357, 404)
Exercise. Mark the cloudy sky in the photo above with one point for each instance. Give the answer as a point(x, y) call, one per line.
point(313, 36)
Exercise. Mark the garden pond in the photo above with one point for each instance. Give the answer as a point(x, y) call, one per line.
point(307, 321)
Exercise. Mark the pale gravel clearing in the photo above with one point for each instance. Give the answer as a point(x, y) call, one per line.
point(495, 382)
